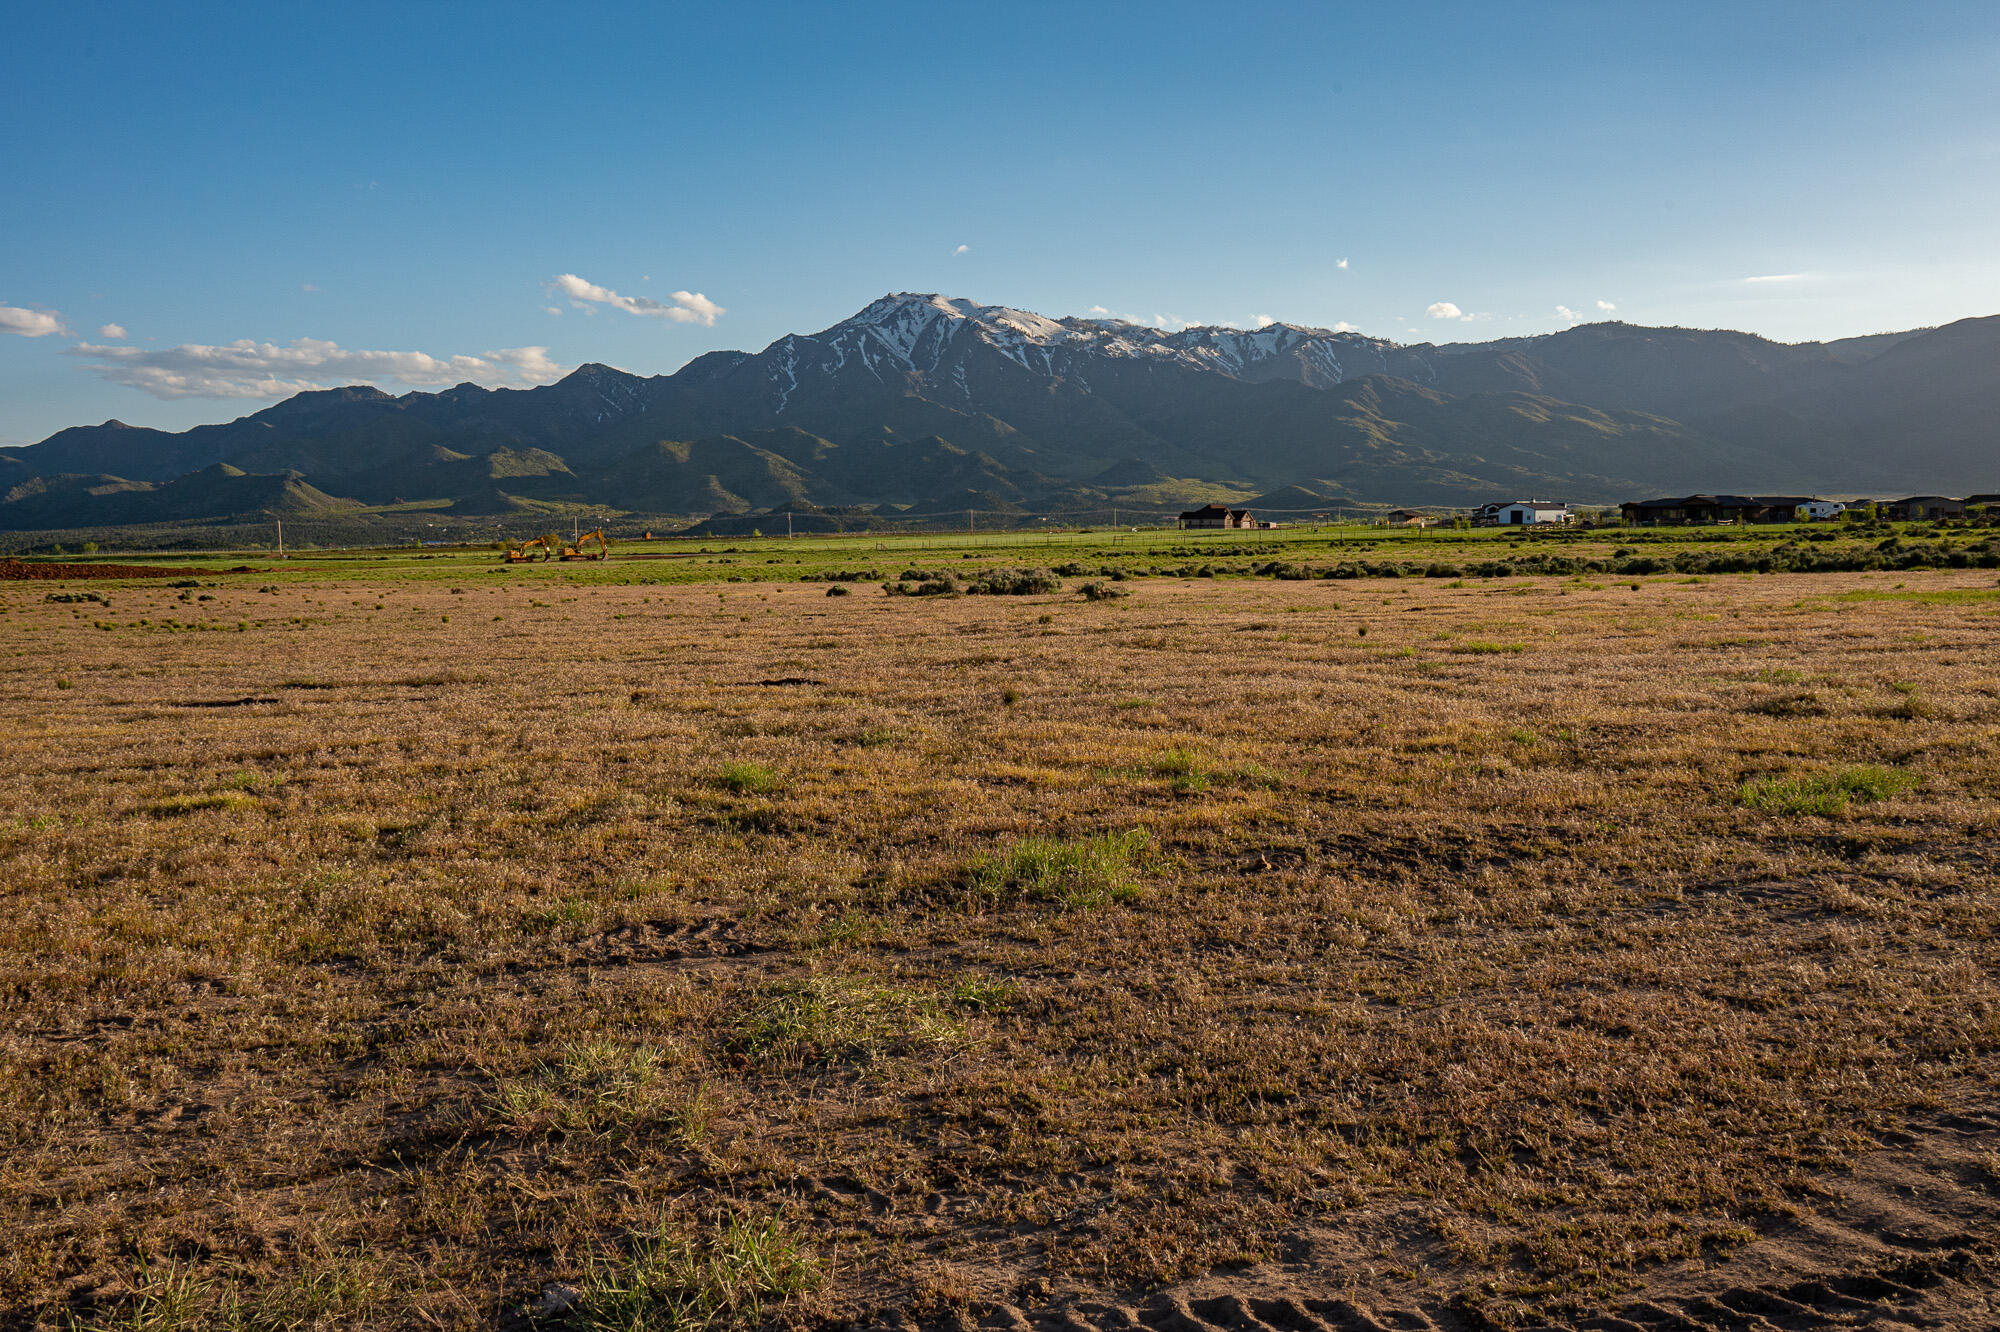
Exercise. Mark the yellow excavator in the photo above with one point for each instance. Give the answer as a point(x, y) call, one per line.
point(582, 549)
point(538, 548)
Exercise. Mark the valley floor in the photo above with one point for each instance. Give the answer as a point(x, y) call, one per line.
point(383, 953)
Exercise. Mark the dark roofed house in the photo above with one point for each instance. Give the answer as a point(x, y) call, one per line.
point(1783, 508)
point(1717, 509)
point(1217, 515)
point(1409, 518)
point(1918, 508)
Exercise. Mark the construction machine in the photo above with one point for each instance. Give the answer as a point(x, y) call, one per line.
point(581, 551)
point(537, 548)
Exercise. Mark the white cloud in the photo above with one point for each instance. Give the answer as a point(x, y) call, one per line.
point(1564, 312)
point(1444, 310)
point(30, 323)
point(689, 307)
point(553, 309)
point(308, 286)
point(961, 249)
point(112, 331)
point(1781, 277)
point(1607, 307)
point(1166, 323)
point(247, 369)
point(1262, 321)
point(1340, 263)
point(1344, 327)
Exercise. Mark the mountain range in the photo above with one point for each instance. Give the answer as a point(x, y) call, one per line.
point(923, 404)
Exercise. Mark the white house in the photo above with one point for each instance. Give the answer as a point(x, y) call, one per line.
point(1819, 509)
point(1521, 513)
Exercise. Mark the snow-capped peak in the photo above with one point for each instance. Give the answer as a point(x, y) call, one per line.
point(927, 334)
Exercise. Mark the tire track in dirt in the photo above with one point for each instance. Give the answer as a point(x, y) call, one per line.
point(1908, 1238)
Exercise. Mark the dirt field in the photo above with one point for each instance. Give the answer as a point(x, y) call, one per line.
point(1304, 955)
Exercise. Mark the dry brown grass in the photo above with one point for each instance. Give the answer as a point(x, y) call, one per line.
point(375, 955)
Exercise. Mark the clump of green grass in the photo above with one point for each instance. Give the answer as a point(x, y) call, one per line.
point(747, 778)
point(1912, 706)
point(1824, 794)
point(1479, 648)
point(1089, 872)
point(1185, 770)
point(167, 1296)
point(828, 1017)
point(1259, 776)
point(189, 804)
point(601, 1086)
point(672, 1282)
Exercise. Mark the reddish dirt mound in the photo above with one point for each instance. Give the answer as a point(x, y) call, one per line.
point(21, 570)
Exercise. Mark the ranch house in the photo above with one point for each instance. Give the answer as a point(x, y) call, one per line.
point(1216, 515)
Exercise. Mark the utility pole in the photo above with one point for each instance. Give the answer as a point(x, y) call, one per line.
point(968, 522)
point(281, 538)
point(788, 524)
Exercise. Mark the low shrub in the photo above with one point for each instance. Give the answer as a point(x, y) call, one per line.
point(929, 585)
point(1013, 582)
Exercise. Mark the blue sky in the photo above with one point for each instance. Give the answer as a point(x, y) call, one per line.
point(390, 193)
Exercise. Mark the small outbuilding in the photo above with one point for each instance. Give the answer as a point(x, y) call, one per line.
point(1408, 518)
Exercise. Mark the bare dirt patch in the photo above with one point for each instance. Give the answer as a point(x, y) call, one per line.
point(25, 571)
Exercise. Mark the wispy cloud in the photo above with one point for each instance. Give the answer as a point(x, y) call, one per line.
point(1444, 310)
point(1340, 263)
point(30, 323)
point(247, 369)
point(1607, 307)
point(689, 307)
point(1166, 323)
point(308, 286)
point(1782, 277)
point(961, 249)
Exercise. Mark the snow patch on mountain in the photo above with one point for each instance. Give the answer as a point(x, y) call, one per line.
point(928, 335)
